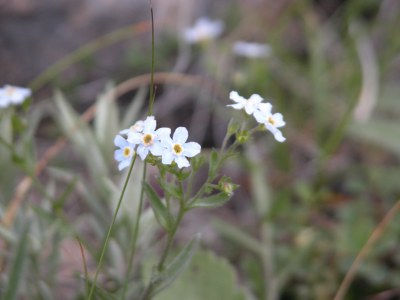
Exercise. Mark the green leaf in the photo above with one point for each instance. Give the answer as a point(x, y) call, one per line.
point(171, 189)
point(207, 277)
point(17, 266)
point(213, 163)
point(211, 201)
point(160, 211)
point(181, 262)
point(382, 133)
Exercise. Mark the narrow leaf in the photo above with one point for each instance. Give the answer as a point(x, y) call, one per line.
point(16, 270)
point(211, 201)
point(160, 211)
point(213, 163)
point(180, 263)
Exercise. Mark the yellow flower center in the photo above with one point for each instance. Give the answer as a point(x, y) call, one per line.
point(271, 121)
point(147, 139)
point(177, 148)
point(127, 151)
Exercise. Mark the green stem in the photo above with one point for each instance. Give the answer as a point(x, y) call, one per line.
point(152, 63)
point(103, 250)
point(135, 234)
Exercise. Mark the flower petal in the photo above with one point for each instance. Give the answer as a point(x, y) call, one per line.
point(255, 99)
point(167, 158)
point(134, 137)
point(156, 149)
point(278, 118)
point(278, 136)
point(142, 151)
point(180, 135)
point(119, 155)
point(119, 141)
point(237, 105)
point(234, 96)
point(191, 149)
point(182, 161)
point(123, 164)
point(149, 125)
point(163, 132)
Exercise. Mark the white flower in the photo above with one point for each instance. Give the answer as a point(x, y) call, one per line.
point(271, 121)
point(149, 140)
point(251, 50)
point(137, 127)
point(250, 105)
point(176, 149)
point(13, 95)
point(203, 30)
point(125, 152)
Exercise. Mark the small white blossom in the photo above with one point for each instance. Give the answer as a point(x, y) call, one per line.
point(137, 127)
point(251, 50)
point(250, 105)
point(148, 140)
point(125, 152)
point(176, 149)
point(13, 95)
point(272, 122)
point(203, 30)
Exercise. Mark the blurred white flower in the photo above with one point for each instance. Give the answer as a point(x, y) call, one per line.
point(250, 105)
point(148, 140)
point(137, 127)
point(203, 30)
point(176, 149)
point(251, 50)
point(13, 95)
point(272, 122)
point(125, 152)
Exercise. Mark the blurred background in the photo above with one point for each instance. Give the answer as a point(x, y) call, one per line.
point(304, 209)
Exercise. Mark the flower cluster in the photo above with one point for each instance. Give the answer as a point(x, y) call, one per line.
point(203, 30)
point(262, 112)
point(143, 138)
point(251, 50)
point(13, 95)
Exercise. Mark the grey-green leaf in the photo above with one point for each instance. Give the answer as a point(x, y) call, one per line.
point(207, 277)
point(17, 266)
point(211, 201)
point(179, 264)
point(160, 211)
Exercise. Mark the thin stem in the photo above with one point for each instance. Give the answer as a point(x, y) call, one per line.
point(135, 234)
point(375, 235)
point(152, 63)
point(103, 250)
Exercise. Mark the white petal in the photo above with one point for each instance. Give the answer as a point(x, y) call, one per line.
point(163, 132)
point(167, 158)
point(234, 96)
point(123, 164)
point(260, 116)
point(134, 137)
point(249, 108)
point(142, 151)
point(124, 131)
point(278, 118)
point(180, 135)
point(156, 149)
point(265, 107)
point(182, 161)
point(149, 125)
point(191, 149)
point(255, 98)
point(119, 141)
point(237, 105)
point(278, 136)
point(119, 155)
